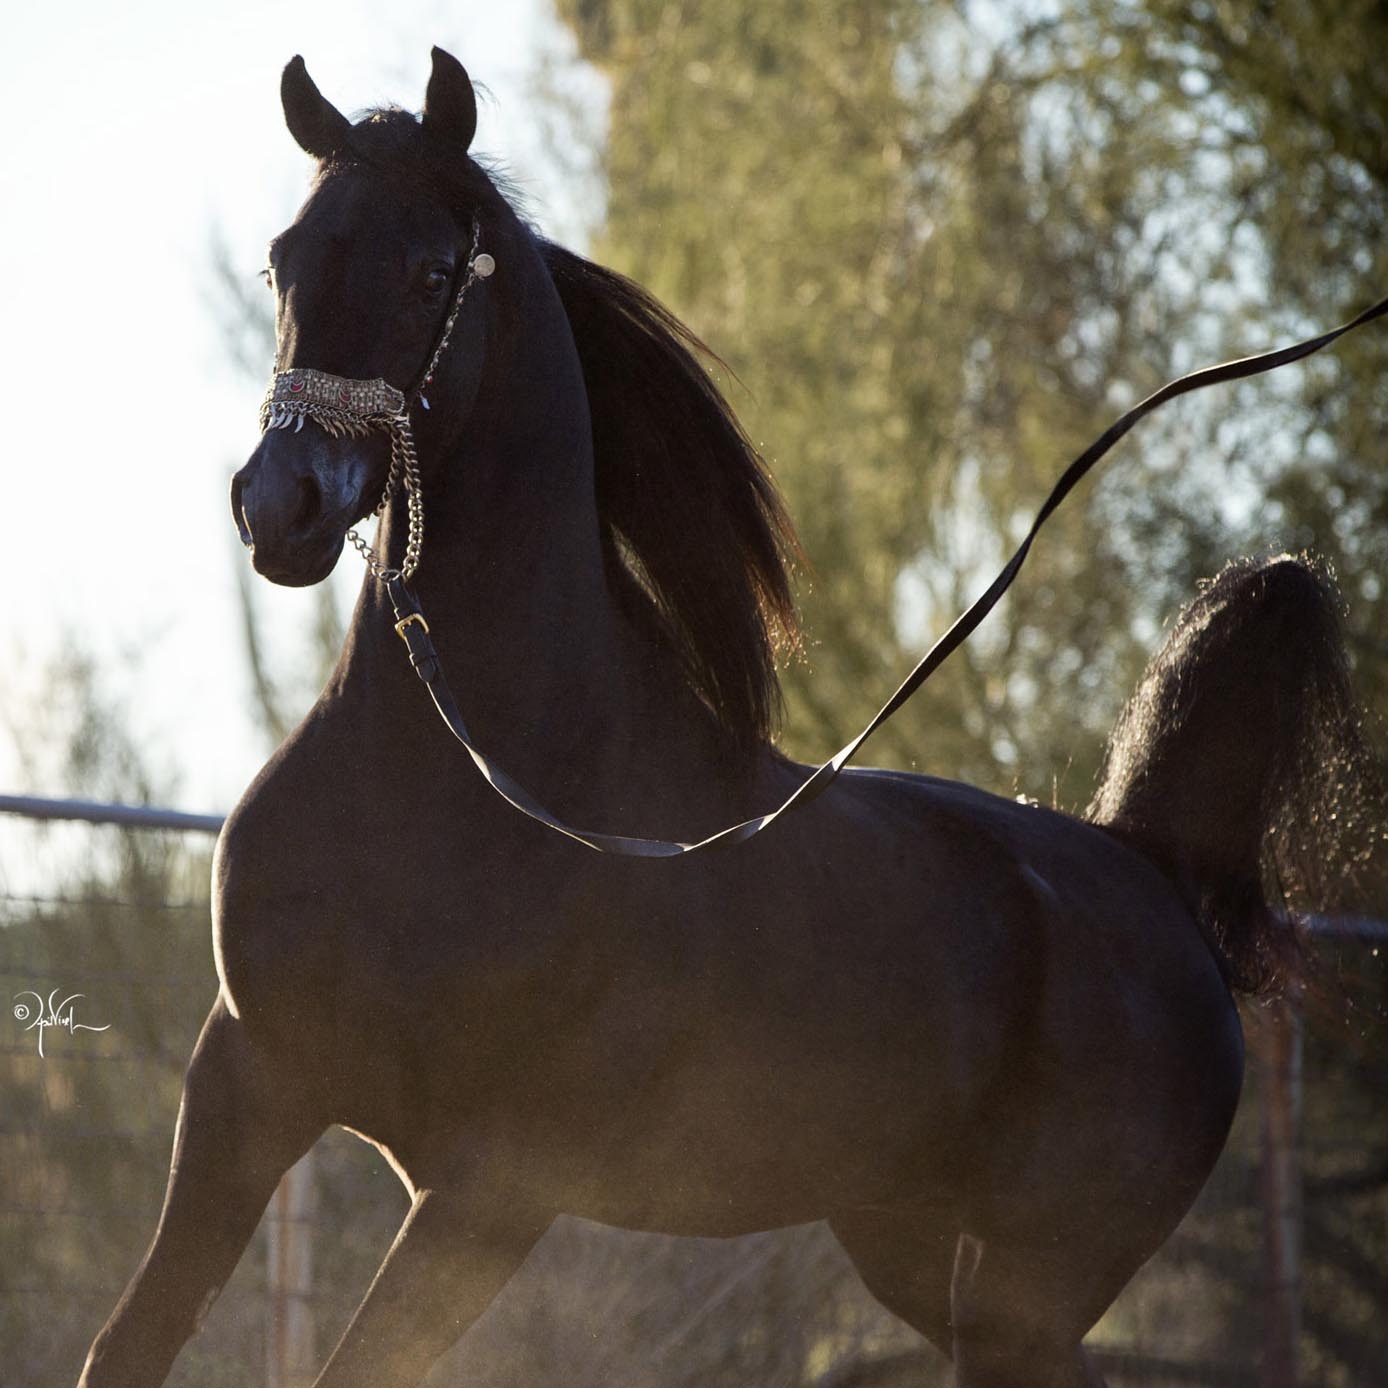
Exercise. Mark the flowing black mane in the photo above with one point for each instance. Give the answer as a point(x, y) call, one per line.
point(688, 509)
point(698, 541)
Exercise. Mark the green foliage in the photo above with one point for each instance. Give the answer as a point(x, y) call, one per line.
point(1276, 114)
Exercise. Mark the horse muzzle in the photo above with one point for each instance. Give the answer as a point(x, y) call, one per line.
point(296, 497)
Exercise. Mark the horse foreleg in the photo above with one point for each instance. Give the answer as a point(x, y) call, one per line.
point(448, 1262)
point(237, 1134)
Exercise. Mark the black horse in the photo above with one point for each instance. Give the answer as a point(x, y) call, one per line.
point(993, 1045)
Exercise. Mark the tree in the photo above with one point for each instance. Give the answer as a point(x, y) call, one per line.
point(1282, 114)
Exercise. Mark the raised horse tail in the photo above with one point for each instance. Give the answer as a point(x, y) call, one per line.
point(1239, 766)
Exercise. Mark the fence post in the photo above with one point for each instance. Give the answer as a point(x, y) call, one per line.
point(290, 1358)
point(1280, 1054)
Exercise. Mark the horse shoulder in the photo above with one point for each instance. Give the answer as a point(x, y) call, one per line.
point(289, 870)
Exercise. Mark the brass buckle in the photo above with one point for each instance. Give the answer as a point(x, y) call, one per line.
point(406, 620)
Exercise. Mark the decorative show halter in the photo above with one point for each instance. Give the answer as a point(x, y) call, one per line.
point(343, 406)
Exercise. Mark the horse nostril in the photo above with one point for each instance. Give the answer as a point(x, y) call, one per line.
point(309, 505)
point(243, 526)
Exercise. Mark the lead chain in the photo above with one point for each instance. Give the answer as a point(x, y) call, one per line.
point(404, 471)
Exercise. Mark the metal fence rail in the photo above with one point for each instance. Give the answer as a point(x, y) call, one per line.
point(100, 812)
point(1238, 1297)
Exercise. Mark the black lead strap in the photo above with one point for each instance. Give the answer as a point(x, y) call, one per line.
point(414, 630)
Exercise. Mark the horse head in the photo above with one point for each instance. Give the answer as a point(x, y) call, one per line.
point(366, 279)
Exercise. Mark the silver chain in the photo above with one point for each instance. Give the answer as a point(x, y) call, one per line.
point(404, 471)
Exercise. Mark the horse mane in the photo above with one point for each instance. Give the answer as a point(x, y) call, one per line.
point(698, 543)
point(693, 526)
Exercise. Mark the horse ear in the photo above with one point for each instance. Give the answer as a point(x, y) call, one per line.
point(319, 127)
point(450, 105)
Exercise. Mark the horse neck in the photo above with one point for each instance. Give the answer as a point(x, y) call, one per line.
point(512, 576)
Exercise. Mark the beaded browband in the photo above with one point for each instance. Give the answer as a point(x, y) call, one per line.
point(342, 406)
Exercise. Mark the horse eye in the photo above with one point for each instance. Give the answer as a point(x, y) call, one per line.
point(268, 275)
point(436, 281)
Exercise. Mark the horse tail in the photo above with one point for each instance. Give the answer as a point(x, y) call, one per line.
point(1239, 766)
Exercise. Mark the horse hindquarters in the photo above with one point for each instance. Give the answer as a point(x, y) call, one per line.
point(1095, 1123)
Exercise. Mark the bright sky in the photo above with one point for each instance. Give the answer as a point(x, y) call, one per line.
point(135, 130)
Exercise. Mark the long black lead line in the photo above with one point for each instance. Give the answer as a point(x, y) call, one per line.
point(414, 630)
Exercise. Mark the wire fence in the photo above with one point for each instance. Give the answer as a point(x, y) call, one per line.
point(1278, 1277)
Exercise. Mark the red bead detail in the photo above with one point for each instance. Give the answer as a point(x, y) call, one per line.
point(296, 385)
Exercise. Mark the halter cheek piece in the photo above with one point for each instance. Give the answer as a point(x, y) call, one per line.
point(342, 406)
